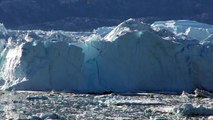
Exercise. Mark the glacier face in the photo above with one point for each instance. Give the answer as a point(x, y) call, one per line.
point(167, 56)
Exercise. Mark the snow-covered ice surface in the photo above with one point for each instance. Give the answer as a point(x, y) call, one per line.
point(186, 28)
point(69, 106)
point(169, 56)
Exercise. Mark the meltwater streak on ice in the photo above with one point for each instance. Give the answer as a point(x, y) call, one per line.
point(131, 57)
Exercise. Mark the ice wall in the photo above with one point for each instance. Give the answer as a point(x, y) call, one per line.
point(131, 57)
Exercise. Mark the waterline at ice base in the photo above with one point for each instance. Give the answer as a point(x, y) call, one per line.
point(166, 56)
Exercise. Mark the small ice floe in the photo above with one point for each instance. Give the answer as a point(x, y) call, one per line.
point(186, 95)
point(138, 102)
point(203, 94)
point(160, 118)
point(48, 116)
point(34, 118)
point(37, 98)
point(210, 118)
point(149, 113)
point(2, 92)
point(191, 110)
point(51, 116)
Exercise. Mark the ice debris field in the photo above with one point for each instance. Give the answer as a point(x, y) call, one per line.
point(52, 105)
point(169, 56)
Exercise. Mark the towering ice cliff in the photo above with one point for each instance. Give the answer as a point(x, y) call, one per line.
point(167, 56)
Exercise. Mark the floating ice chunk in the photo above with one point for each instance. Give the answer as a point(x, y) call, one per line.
point(37, 98)
point(137, 103)
point(203, 93)
point(52, 116)
point(210, 118)
point(160, 118)
point(190, 110)
point(34, 118)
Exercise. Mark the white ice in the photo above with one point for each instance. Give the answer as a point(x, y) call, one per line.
point(130, 57)
point(191, 29)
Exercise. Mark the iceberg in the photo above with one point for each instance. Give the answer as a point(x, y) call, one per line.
point(130, 57)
